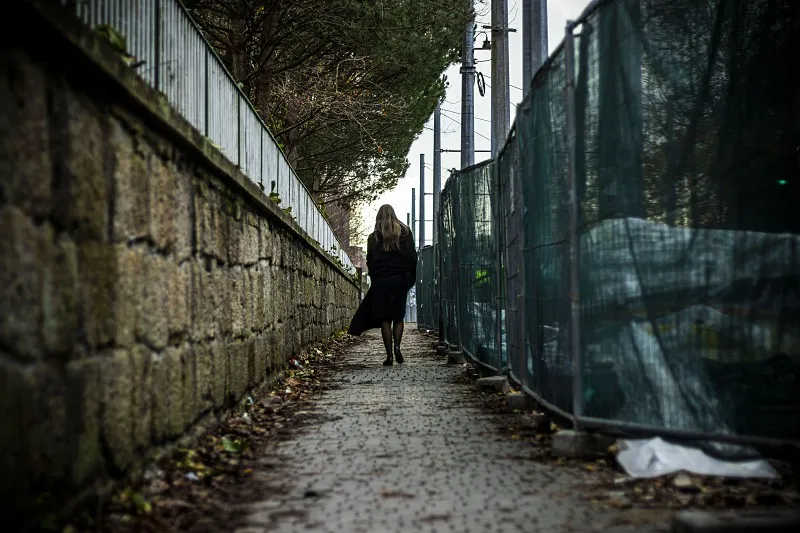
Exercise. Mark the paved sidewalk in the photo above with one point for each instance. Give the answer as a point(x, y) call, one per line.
point(407, 448)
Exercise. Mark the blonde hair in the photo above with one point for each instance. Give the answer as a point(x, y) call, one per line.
point(389, 228)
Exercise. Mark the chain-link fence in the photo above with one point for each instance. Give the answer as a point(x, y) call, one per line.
point(650, 247)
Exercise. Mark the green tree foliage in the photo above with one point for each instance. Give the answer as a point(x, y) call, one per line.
point(344, 85)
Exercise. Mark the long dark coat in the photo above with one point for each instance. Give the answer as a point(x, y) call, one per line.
point(392, 273)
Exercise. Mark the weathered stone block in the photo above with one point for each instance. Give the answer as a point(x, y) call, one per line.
point(189, 405)
point(222, 228)
point(223, 299)
point(118, 393)
point(152, 324)
point(238, 357)
point(128, 294)
point(50, 441)
point(170, 208)
point(25, 164)
point(22, 248)
point(253, 372)
point(257, 286)
point(251, 240)
point(83, 378)
point(131, 183)
point(98, 277)
point(220, 371)
point(177, 285)
point(237, 291)
point(204, 368)
point(80, 187)
point(17, 405)
point(204, 226)
point(167, 394)
point(261, 353)
point(182, 222)
point(141, 404)
point(60, 298)
point(266, 240)
point(235, 242)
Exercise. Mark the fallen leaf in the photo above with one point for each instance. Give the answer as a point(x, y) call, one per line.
point(232, 445)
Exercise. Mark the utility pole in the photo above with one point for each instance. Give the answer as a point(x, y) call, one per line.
point(534, 39)
point(408, 219)
point(468, 96)
point(413, 209)
point(421, 200)
point(437, 167)
point(501, 97)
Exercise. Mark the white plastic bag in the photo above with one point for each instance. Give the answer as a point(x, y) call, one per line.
point(656, 457)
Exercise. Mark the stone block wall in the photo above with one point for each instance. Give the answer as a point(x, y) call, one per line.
point(144, 283)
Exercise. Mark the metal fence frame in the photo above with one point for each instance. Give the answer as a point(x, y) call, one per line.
point(172, 55)
point(511, 288)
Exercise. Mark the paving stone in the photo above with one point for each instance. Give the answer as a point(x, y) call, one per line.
point(410, 448)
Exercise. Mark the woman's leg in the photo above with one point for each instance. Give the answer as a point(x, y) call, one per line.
point(386, 333)
point(398, 336)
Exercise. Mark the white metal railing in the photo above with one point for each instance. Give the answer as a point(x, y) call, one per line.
point(172, 56)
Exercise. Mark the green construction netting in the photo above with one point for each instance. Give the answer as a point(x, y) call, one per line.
point(542, 147)
point(447, 272)
point(469, 264)
point(688, 139)
point(687, 143)
point(427, 304)
point(475, 249)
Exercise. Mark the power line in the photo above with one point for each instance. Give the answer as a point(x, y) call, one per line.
point(456, 112)
point(476, 133)
point(510, 85)
point(512, 103)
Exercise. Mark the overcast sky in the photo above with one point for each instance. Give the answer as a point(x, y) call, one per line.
point(558, 12)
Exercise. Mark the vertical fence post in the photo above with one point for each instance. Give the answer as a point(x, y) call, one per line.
point(455, 194)
point(438, 274)
point(239, 131)
point(261, 170)
point(157, 44)
point(494, 168)
point(207, 97)
point(574, 240)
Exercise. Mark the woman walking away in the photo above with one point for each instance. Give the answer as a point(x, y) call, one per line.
point(392, 268)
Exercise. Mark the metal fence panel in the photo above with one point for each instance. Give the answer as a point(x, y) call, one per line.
point(182, 63)
point(223, 123)
point(448, 262)
point(689, 252)
point(250, 130)
point(168, 50)
point(670, 133)
point(425, 297)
